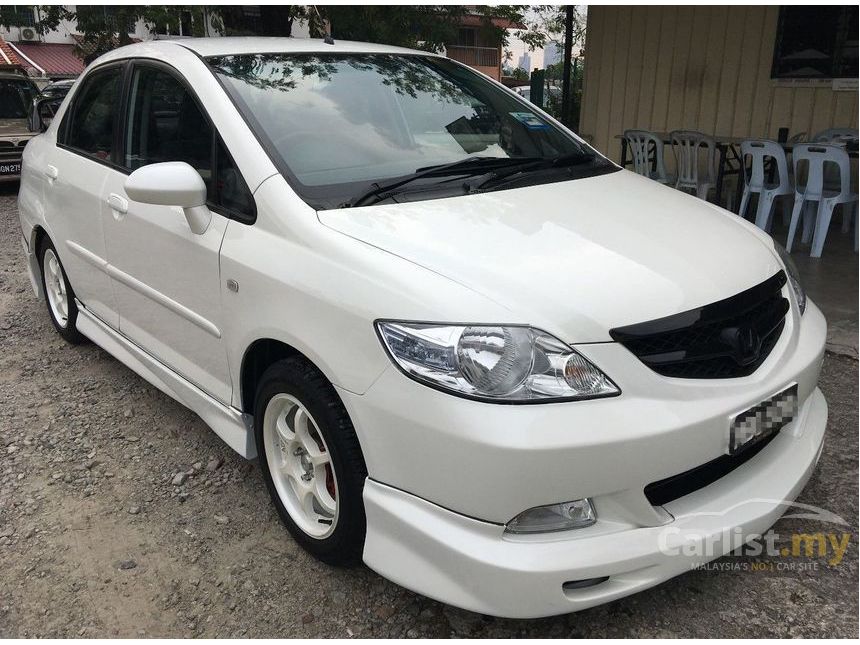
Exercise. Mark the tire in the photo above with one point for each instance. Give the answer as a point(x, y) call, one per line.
point(59, 295)
point(299, 423)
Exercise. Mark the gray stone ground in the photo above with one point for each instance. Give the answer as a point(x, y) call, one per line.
point(96, 541)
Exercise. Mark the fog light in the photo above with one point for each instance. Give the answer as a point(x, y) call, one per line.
point(556, 517)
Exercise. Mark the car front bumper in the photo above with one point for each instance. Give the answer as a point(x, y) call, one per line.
point(447, 473)
point(476, 566)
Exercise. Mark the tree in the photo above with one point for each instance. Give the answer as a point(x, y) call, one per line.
point(105, 27)
point(565, 27)
point(554, 79)
point(520, 74)
point(546, 24)
point(428, 27)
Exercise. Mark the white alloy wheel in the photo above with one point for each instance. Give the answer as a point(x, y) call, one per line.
point(300, 465)
point(55, 288)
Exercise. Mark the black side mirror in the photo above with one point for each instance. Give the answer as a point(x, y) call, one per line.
point(42, 112)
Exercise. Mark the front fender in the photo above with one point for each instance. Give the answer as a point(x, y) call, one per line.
point(320, 291)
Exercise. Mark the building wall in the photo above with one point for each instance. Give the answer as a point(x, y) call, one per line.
point(696, 67)
point(63, 32)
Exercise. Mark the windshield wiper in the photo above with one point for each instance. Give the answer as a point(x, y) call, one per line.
point(560, 161)
point(379, 191)
point(491, 170)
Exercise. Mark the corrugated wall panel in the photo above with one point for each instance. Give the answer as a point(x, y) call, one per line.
point(695, 67)
point(717, 19)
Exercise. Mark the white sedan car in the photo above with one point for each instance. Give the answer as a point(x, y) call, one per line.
point(465, 347)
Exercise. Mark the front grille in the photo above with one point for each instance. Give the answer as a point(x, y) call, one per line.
point(726, 339)
point(11, 151)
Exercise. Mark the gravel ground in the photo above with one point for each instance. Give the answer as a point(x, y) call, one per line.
point(121, 514)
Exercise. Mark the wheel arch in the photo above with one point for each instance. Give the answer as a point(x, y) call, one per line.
point(258, 357)
point(37, 235)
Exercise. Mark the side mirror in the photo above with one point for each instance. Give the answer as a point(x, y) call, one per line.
point(172, 183)
point(42, 112)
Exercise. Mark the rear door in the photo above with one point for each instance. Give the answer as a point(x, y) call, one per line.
point(76, 171)
point(166, 278)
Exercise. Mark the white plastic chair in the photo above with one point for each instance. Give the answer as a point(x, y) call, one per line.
point(844, 136)
point(758, 151)
point(686, 145)
point(817, 157)
point(640, 143)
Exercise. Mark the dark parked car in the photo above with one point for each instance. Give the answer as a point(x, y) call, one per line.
point(17, 92)
point(57, 89)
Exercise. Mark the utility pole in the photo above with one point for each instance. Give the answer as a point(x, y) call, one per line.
point(568, 51)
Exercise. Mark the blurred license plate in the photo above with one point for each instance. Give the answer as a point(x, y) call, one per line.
point(763, 420)
point(10, 167)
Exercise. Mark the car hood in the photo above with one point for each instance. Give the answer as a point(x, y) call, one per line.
point(575, 258)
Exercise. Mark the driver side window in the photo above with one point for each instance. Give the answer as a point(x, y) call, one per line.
point(165, 123)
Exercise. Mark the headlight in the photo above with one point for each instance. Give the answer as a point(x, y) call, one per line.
point(493, 362)
point(793, 276)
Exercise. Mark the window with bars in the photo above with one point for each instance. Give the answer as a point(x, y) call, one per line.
point(22, 17)
point(816, 42)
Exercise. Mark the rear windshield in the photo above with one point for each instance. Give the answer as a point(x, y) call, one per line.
point(338, 123)
point(15, 98)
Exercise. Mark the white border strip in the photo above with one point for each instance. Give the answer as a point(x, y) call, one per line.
point(26, 58)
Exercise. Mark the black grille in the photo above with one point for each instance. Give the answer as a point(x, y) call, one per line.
point(672, 488)
point(726, 339)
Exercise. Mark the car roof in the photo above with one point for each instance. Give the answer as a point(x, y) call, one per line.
point(254, 45)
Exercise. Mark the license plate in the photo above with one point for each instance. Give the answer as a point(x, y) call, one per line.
point(10, 168)
point(763, 420)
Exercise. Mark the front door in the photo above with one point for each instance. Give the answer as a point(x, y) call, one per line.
point(166, 278)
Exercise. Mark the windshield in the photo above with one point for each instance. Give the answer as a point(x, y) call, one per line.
point(340, 123)
point(15, 98)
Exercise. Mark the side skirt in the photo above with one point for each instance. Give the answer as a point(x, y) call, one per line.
point(233, 426)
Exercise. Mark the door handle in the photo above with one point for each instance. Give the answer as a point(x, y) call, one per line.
point(52, 173)
point(117, 203)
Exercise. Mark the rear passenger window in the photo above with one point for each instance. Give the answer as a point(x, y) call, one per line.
point(94, 113)
point(165, 123)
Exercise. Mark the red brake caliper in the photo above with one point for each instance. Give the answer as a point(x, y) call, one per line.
point(329, 474)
